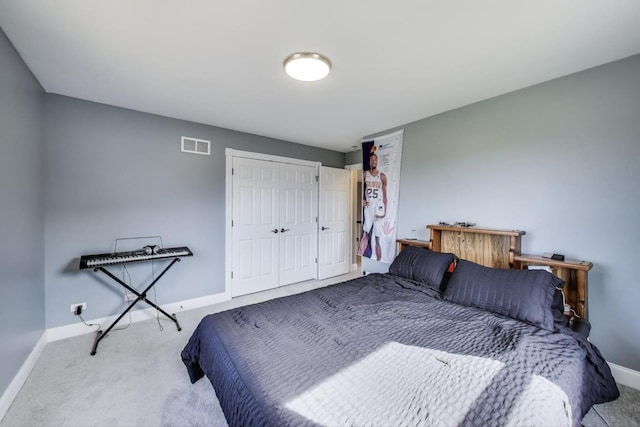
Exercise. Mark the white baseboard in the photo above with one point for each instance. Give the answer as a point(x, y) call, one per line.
point(76, 329)
point(6, 399)
point(625, 376)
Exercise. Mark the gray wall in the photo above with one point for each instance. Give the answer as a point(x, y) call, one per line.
point(559, 160)
point(353, 157)
point(112, 172)
point(21, 212)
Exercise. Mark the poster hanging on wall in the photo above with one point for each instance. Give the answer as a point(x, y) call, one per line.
point(381, 158)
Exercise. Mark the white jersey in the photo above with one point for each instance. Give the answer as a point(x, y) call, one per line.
point(373, 187)
point(375, 209)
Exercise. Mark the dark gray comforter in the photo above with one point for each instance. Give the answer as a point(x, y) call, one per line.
point(380, 350)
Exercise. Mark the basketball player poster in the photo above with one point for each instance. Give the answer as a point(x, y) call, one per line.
point(381, 158)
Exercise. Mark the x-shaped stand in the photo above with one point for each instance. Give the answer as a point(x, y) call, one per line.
point(142, 296)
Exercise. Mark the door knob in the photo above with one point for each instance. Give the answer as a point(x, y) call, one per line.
point(275, 230)
point(282, 230)
point(324, 228)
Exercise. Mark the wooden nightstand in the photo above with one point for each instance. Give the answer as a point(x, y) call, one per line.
point(403, 243)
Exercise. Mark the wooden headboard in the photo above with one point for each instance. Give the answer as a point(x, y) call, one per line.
point(491, 248)
point(502, 249)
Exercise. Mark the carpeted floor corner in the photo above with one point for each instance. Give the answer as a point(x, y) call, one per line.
point(136, 379)
point(624, 412)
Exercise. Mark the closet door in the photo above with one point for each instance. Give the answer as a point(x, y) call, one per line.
point(298, 223)
point(334, 235)
point(255, 228)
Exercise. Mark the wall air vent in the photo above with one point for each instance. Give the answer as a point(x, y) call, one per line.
point(196, 146)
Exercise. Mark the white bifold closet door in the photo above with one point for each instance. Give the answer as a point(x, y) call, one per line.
point(274, 228)
point(298, 223)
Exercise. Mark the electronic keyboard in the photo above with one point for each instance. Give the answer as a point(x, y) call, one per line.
point(101, 260)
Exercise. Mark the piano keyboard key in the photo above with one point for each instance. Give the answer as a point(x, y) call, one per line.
point(99, 260)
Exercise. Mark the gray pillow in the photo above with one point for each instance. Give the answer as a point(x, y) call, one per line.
point(422, 265)
point(525, 295)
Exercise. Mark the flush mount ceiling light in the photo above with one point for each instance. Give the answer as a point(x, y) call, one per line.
point(307, 66)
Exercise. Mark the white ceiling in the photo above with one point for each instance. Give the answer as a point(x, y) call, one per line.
point(220, 62)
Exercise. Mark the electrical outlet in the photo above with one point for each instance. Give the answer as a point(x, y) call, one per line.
point(72, 308)
point(130, 297)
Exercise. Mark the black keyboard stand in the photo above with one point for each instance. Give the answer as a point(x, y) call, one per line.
point(142, 296)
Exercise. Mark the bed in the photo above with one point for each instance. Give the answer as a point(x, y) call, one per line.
point(420, 345)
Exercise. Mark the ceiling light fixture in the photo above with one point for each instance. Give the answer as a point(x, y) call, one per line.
point(307, 66)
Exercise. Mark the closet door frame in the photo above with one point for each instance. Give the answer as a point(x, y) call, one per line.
point(229, 155)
